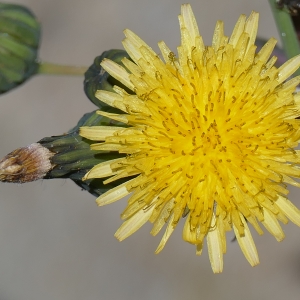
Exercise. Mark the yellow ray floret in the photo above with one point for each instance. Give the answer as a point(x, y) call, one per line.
point(210, 137)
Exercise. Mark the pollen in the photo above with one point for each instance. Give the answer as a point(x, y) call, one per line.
point(210, 137)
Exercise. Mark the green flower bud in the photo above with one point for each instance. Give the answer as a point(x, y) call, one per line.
point(96, 78)
point(19, 42)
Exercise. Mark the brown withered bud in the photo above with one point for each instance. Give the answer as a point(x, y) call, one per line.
point(26, 164)
point(62, 156)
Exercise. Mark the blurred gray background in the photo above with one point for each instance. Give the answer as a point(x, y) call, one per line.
point(55, 243)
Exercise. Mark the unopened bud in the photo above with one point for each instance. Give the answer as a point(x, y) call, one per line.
point(96, 78)
point(19, 43)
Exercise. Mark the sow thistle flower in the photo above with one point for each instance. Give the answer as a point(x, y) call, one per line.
point(208, 135)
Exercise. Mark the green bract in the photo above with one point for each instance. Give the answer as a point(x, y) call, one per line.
point(73, 157)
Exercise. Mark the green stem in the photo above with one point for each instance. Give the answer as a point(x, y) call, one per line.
point(54, 69)
point(286, 30)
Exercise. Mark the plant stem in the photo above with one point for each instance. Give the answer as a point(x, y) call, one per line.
point(54, 69)
point(286, 30)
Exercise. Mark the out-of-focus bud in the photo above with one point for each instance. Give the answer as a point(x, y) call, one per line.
point(19, 42)
point(96, 78)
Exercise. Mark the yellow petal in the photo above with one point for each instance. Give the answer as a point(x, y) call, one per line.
point(266, 50)
point(106, 147)
point(251, 28)
point(108, 97)
point(113, 194)
point(238, 30)
point(98, 133)
point(169, 230)
point(117, 117)
point(165, 51)
point(272, 225)
point(247, 244)
point(187, 234)
point(101, 170)
point(190, 21)
point(215, 248)
point(218, 35)
point(118, 72)
point(288, 68)
point(289, 209)
point(132, 44)
point(134, 223)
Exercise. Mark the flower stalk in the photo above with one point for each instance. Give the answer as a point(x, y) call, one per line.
point(56, 69)
point(286, 31)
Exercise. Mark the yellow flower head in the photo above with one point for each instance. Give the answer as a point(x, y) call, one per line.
point(210, 137)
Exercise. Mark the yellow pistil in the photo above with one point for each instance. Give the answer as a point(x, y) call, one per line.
point(211, 138)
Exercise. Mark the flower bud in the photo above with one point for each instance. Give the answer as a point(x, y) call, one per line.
point(64, 156)
point(96, 78)
point(19, 42)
